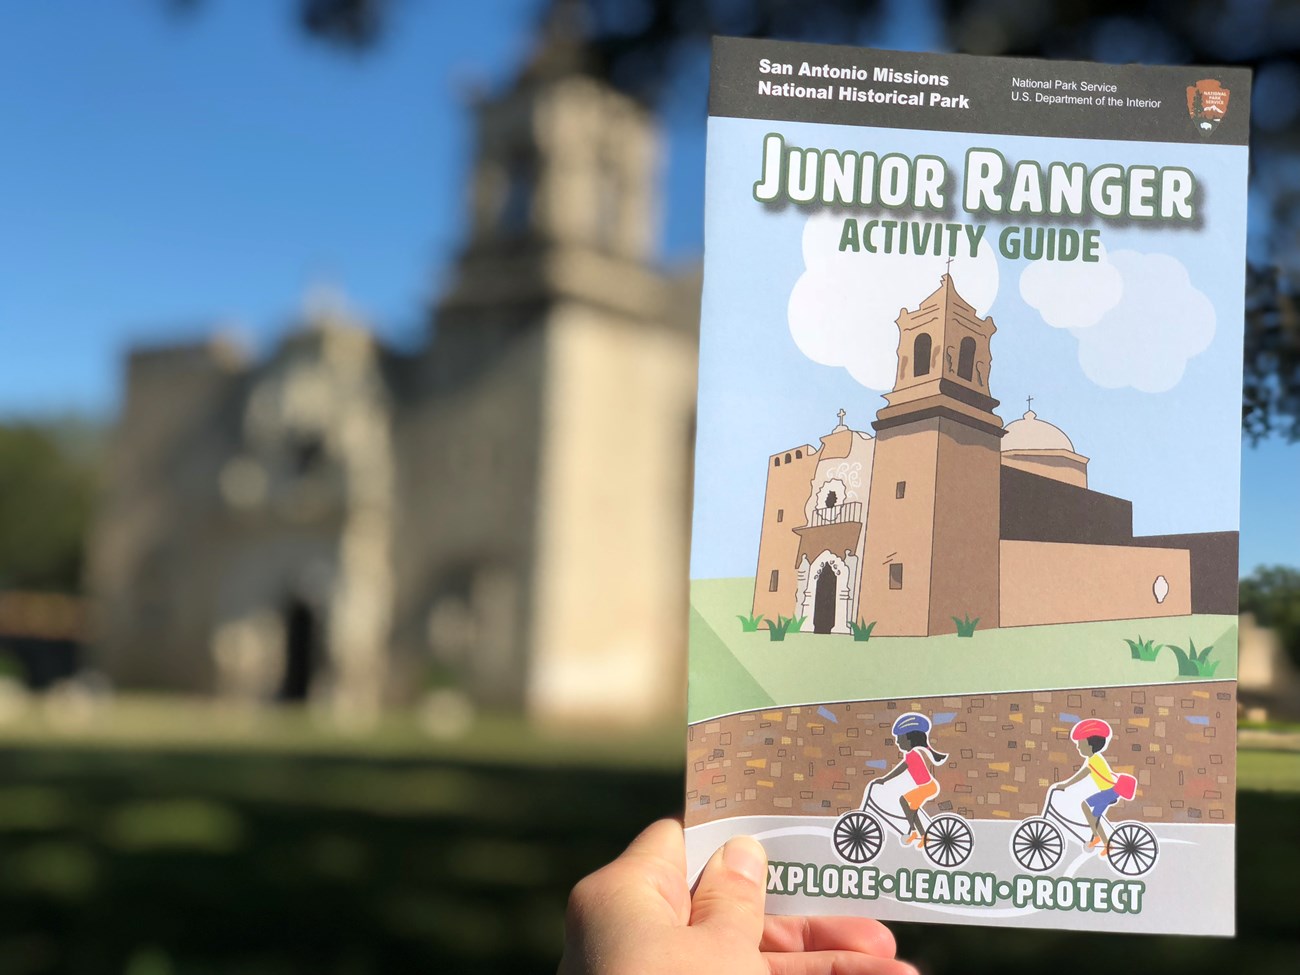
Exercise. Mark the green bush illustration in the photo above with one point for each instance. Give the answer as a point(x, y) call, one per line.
point(749, 624)
point(1193, 662)
point(862, 631)
point(796, 624)
point(1144, 649)
point(967, 626)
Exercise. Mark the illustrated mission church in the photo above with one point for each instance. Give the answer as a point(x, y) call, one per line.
point(945, 512)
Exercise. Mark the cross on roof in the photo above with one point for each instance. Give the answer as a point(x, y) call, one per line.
point(950, 267)
point(1030, 401)
point(841, 414)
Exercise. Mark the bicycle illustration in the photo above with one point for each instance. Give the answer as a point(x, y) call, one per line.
point(1038, 843)
point(859, 833)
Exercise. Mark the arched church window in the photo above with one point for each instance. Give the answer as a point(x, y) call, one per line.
point(776, 461)
point(798, 454)
point(966, 359)
point(787, 458)
point(921, 355)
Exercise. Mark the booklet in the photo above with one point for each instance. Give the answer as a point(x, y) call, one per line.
point(963, 631)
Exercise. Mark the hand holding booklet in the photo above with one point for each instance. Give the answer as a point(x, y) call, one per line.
point(963, 632)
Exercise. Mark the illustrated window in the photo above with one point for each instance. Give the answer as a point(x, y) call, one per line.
point(776, 575)
point(921, 349)
point(896, 575)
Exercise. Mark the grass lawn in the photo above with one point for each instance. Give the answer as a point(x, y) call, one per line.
point(168, 838)
point(165, 722)
point(1269, 771)
point(736, 671)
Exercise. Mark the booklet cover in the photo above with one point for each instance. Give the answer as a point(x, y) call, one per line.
point(963, 632)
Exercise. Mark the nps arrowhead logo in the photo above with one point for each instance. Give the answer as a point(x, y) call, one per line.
point(1207, 104)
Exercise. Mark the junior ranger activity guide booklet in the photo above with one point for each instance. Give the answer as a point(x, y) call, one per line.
point(963, 633)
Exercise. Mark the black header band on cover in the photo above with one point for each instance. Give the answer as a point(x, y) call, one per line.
point(800, 82)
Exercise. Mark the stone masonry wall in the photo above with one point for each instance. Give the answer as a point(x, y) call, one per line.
point(1004, 751)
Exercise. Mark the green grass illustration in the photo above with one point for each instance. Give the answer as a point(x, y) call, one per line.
point(1194, 663)
point(862, 631)
point(777, 630)
point(825, 667)
point(1140, 649)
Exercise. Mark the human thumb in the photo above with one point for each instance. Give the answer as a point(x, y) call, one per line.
point(729, 896)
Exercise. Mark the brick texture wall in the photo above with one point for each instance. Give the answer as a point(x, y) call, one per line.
point(1004, 751)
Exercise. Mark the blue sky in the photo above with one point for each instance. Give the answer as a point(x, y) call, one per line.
point(164, 177)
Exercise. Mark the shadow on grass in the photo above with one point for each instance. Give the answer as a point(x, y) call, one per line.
point(196, 864)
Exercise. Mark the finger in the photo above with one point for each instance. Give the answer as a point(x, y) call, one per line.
point(729, 897)
point(860, 934)
point(835, 963)
point(661, 850)
point(663, 840)
point(657, 859)
point(645, 884)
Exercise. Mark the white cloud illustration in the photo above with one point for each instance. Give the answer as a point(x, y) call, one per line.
point(1138, 318)
point(1072, 294)
point(843, 307)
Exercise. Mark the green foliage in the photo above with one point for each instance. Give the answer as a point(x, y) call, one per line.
point(1194, 663)
point(784, 624)
point(1144, 649)
point(796, 623)
point(966, 627)
point(749, 624)
point(47, 485)
point(10, 667)
point(1272, 594)
point(862, 631)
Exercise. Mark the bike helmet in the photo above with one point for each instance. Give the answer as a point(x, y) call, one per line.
point(910, 722)
point(1089, 727)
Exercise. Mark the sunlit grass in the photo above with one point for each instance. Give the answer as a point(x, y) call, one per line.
point(168, 722)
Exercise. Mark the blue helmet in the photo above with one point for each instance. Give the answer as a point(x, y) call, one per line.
point(910, 722)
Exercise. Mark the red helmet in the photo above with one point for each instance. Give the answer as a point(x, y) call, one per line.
point(1089, 727)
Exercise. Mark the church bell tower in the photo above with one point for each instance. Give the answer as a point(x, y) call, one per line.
point(549, 450)
point(933, 521)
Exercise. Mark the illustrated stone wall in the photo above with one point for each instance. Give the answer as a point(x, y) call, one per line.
point(1004, 751)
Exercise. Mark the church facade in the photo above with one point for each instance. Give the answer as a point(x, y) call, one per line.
point(502, 509)
point(945, 513)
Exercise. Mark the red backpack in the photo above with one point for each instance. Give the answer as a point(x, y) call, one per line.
point(1125, 786)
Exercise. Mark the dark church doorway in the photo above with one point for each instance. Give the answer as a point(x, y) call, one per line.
point(301, 640)
point(824, 600)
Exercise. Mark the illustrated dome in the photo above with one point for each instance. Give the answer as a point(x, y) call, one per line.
point(1031, 433)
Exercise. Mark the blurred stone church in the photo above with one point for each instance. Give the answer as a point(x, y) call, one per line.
point(504, 510)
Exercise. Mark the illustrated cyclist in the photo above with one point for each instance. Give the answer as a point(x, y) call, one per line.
point(912, 731)
point(1092, 735)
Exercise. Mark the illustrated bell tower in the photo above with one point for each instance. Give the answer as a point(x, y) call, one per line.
point(933, 521)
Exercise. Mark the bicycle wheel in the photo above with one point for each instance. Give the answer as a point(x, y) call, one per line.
point(1037, 845)
point(949, 840)
point(1133, 849)
point(857, 836)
